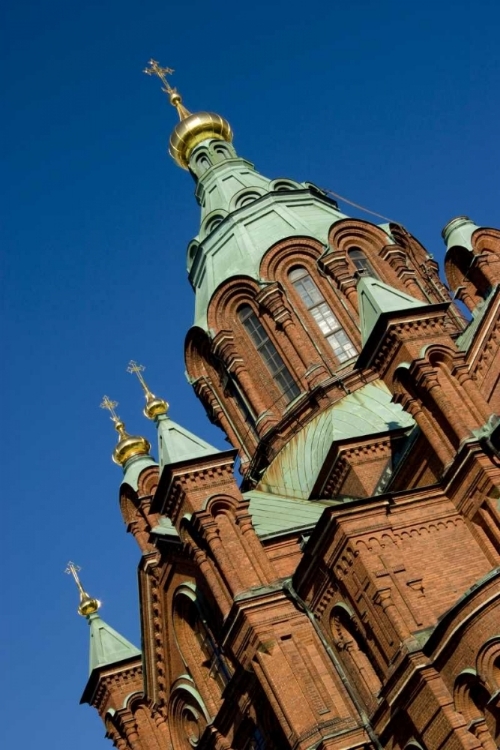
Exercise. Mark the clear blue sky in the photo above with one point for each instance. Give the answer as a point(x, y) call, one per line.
point(392, 104)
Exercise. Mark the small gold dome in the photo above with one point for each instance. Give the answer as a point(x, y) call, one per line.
point(129, 445)
point(194, 129)
point(155, 407)
point(87, 605)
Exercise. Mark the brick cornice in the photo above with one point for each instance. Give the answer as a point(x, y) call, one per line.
point(212, 470)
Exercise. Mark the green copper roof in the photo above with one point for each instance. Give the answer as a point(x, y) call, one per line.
point(177, 444)
point(274, 514)
point(376, 298)
point(243, 213)
point(106, 645)
point(369, 410)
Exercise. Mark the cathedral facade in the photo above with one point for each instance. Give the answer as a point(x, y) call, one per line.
point(346, 592)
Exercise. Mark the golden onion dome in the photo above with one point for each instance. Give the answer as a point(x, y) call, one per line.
point(129, 446)
point(88, 605)
point(195, 128)
point(192, 128)
point(155, 406)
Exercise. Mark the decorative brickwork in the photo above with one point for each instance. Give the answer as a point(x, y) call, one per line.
point(377, 625)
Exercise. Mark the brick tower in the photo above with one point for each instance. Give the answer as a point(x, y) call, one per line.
point(345, 593)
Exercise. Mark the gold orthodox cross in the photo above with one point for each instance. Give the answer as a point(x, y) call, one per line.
point(106, 403)
point(73, 570)
point(136, 369)
point(154, 69)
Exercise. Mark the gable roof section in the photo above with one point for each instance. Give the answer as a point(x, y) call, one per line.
point(376, 298)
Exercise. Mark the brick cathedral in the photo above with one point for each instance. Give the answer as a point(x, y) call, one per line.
point(345, 593)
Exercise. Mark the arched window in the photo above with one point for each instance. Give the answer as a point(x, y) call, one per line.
point(322, 313)
point(222, 150)
point(213, 223)
point(202, 164)
point(280, 372)
point(361, 262)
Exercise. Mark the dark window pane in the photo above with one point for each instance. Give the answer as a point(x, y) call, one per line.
point(269, 353)
point(361, 262)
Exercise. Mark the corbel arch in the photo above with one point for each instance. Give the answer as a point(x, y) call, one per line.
point(285, 250)
point(319, 322)
point(472, 700)
point(488, 664)
point(388, 261)
point(227, 297)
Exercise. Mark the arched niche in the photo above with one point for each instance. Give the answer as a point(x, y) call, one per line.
point(187, 714)
point(472, 700)
point(198, 647)
point(354, 652)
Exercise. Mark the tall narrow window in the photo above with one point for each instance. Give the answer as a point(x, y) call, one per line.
point(269, 353)
point(361, 262)
point(322, 313)
point(231, 389)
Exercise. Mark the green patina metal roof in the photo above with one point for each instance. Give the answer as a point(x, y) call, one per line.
point(178, 444)
point(369, 410)
point(273, 210)
point(376, 298)
point(275, 514)
point(106, 645)
point(133, 469)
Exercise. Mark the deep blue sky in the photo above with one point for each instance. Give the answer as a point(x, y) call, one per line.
point(392, 104)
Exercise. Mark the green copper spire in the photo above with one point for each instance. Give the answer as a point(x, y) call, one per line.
point(106, 645)
point(376, 298)
point(174, 442)
point(178, 444)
